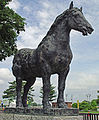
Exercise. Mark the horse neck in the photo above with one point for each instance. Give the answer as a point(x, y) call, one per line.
point(60, 33)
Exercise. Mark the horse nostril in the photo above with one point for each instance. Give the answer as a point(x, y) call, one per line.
point(92, 29)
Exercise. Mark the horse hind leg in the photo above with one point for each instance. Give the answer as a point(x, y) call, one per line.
point(18, 92)
point(16, 69)
point(26, 89)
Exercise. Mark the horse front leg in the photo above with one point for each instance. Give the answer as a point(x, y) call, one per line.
point(46, 73)
point(46, 92)
point(61, 87)
point(18, 92)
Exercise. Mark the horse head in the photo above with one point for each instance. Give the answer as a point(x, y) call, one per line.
point(77, 21)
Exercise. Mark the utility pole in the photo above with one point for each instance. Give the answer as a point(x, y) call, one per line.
point(72, 98)
point(88, 97)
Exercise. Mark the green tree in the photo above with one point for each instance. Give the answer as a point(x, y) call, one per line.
point(98, 98)
point(94, 105)
point(10, 26)
point(74, 105)
point(85, 105)
point(10, 93)
point(52, 95)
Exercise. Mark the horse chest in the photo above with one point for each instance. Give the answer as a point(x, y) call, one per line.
point(63, 54)
point(63, 58)
point(60, 60)
point(56, 54)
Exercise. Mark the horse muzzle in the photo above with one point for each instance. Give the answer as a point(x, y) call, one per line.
point(90, 30)
point(87, 30)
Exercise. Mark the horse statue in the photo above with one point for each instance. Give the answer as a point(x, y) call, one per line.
point(52, 56)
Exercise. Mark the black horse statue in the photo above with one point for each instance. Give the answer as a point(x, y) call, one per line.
point(52, 56)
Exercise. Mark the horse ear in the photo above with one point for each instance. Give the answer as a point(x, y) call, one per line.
point(81, 9)
point(71, 5)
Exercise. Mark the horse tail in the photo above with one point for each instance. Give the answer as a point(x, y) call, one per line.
point(16, 67)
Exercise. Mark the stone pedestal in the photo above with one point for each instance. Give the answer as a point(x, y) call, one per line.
point(40, 111)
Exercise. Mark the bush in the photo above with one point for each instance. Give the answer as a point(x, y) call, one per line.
point(74, 105)
point(34, 104)
point(85, 105)
point(94, 105)
point(86, 110)
point(94, 108)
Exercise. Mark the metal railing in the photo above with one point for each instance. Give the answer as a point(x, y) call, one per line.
point(90, 116)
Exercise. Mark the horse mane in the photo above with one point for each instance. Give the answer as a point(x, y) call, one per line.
point(57, 21)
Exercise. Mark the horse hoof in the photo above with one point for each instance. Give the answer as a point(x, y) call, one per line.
point(47, 106)
point(25, 105)
point(62, 105)
point(19, 106)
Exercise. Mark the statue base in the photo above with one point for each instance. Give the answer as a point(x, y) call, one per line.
point(40, 111)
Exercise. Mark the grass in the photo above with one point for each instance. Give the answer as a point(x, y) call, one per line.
point(89, 112)
point(1, 108)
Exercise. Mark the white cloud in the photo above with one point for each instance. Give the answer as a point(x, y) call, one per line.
point(82, 80)
point(43, 14)
point(34, 34)
point(1, 82)
point(86, 2)
point(27, 9)
point(15, 4)
point(31, 37)
point(46, 16)
point(45, 4)
point(6, 63)
point(5, 75)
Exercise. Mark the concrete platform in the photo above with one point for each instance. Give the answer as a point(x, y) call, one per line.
point(8, 116)
point(40, 111)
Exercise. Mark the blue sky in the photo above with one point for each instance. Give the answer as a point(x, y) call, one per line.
point(40, 14)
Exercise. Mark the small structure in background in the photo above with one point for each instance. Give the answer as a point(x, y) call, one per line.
point(78, 104)
point(69, 104)
point(13, 104)
point(5, 102)
point(97, 108)
point(2, 104)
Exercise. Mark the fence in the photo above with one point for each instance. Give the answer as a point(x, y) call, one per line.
point(90, 116)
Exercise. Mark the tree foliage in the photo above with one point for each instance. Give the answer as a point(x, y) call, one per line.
point(86, 105)
point(52, 95)
point(74, 105)
point(10, 93)
point(98, 98)
point(10, 26)
point(93, 105)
